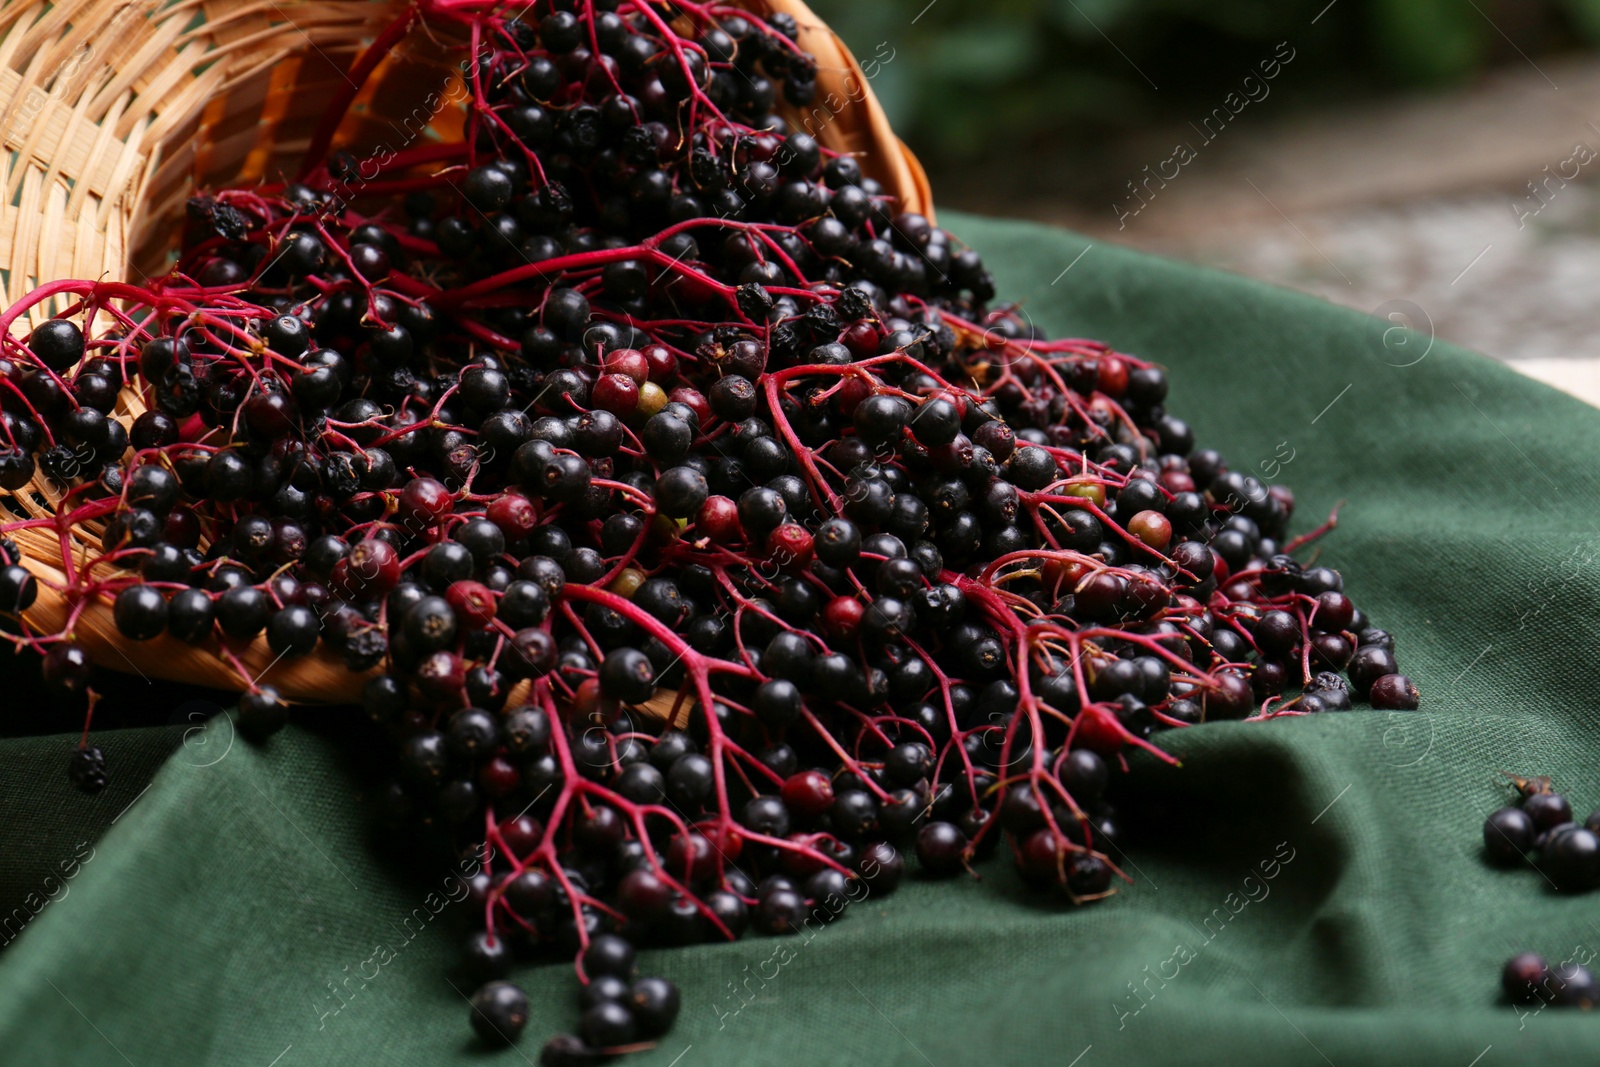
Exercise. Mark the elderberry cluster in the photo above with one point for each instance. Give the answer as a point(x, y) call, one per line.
point(709, 541)
point(1528, 979)
point(1541, 822)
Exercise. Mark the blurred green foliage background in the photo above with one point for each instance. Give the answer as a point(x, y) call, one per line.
point(967, 76)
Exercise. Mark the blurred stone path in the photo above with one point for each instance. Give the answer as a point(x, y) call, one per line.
point(1470, 212)
point(1527, 296)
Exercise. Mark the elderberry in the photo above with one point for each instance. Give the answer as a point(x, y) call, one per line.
point(701, 428)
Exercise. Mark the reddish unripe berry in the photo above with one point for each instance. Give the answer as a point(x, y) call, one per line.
point(1240, 592)
point(1219, 567)
point(616, 393)
point(694, 399)
point(425, 500)
point(1098, 731)
point(371, 568)
point(1099, 592)
point(473, 602)
point(719, 520)
point(1063, 576)
point(953, 457)
point(761, 147)
point(182, 529)
point(499, 777)
point(514, 514)
point(441, 675)
point(1176, 482)
point(629, 361)
point(1038, 854)
point(1113, 380)
point(861, 338)
point(642, 895)
point(804, 860)
point(521, 835)
point(690, 857)
point(955, 396)
point(852, 392)
point(586, 699)
point(1102, 410)
point(662, 363)
point(808, 793)
point(1147, 595)
point(724, 837)
point(842, 617)
point(789, 546)
point(1152, 528)
point(690, 289)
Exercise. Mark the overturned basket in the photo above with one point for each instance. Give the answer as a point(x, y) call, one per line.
point(114, 112)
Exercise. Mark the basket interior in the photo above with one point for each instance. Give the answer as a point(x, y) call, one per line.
point(114, 113)
point(260, 129)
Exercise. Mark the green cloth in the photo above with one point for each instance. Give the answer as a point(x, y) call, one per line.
point(215, 914)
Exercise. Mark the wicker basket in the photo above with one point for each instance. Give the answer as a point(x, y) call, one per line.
point(114, 112)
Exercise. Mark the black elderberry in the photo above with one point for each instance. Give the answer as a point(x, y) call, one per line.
point(607, 1024)
point(779, 910)
point(485, 956)
point(1577, 986)
point(601, 989)
point(940, 848)
point(1507, 836)
point(627, 675)
point(569, 1050)
point(140, 612)
point(680, 492)
point(190, 615)
point(908, 762)
point(58, 344)
point(1547, 810)
point(761, 510)
point(609, 954)
point(1571, 859)
point(777, 702)
point(482, 539)
point(1087, 875)
point(472, 734)
point(641, 783)
point(499, 1012)
point(424, 759)
point(287, 335)
point(262, 712)
point(242, 611)
point(690, 781)
point(430, 624)
point(1524, 978)
point(881, 867)
point(86, 769)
